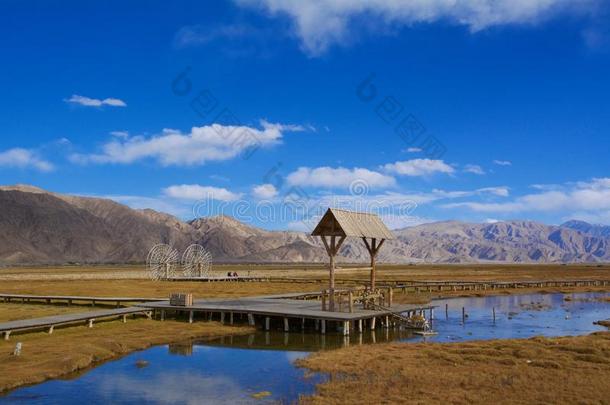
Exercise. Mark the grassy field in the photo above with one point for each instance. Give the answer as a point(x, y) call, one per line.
point(14, 312)
point(48, 356)
point(470, 272)
point(570, 370)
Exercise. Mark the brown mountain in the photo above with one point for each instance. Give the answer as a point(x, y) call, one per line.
point(42, 227)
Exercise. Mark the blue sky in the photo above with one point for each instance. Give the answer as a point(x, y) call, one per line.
point(272, 110)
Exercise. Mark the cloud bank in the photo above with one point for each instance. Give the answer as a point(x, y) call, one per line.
point(322, 23)
point(95, 102)
point(24, 158)
point(201, 145)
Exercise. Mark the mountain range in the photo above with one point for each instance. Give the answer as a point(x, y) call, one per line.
point(37, 226)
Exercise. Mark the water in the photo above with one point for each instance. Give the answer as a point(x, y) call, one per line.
point(230, 370)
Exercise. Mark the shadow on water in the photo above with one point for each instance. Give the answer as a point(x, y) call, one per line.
point(259, 367)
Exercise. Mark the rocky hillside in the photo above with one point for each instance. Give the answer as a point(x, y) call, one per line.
point(43, 227)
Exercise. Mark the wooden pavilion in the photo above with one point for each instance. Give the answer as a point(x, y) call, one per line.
point(338, 224)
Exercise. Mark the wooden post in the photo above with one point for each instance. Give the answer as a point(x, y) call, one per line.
point(463, 315)
point(190, 316)
point(7, 335)
point(162, 314)
point(124, 318)
point(251, 320)
point(323, 326)
point(332, 248)
point(345, 328)
point(493, 309)
point(286, 325)
point(390, 296)
point(90, 325)
point(323, 300)
point(351, 301)
point(331, 303)
point(222, 317)
point(359, 325)
point(302, 323)
point(231, 318)
point(50, 329)
point(446, 311)
point(373, 323)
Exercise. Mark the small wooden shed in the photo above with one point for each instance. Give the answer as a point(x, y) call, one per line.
point(338, 224)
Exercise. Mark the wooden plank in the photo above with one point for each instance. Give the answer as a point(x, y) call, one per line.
point(66, 319)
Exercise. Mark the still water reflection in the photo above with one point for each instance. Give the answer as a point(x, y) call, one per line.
point(258, 368)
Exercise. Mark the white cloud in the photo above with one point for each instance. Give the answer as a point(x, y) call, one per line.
point(414, 150)
point(24, 158)
point(120, 134)
point(590, 198)
point(203, 144)
point(503, 162)
point(264, 191)
point(475, 169)
point(419, 167)
point(196, 192)
point(499, 191)
point(322, 23)
point(95, 102)
point(329, 177)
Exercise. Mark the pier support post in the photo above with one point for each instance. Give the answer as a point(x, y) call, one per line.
point(190, 316)
point(373, 323)
point(351, 302)
point(124, 318)
point(286, 326)
point(267, 322)
point(446, 311)
point(345, 328)
point(51, 330)
point(251, 320)
point(90, 324)
point(302, 323)
point(493, 310)
point(231, 318)
point(387, 322)
point(463, 315)
point(323, 326)
point(7, 335)
point(222, 317)
point(162, 314)
point(359, 325)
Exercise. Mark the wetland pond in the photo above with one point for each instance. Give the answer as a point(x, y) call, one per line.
point(258, 368)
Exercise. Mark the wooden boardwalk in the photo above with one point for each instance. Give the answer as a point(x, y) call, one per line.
point(69, 299)
point(288, 310)
point(50, 322)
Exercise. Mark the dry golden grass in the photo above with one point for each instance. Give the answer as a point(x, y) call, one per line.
point(14, 312)
point(566, 370)
point(71, 349)
point(464, 272)
point(153, 289)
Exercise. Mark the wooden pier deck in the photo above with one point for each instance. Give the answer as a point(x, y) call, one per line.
point(288, 310)
point(50, 322)
point(69, 299)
